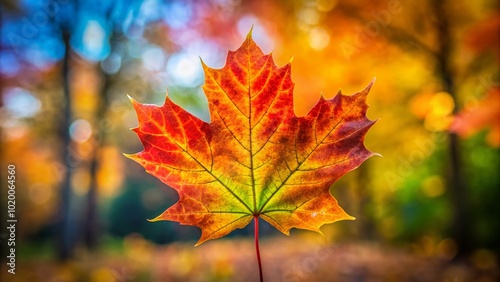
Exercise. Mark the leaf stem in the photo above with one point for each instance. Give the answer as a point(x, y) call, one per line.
point(256, 234)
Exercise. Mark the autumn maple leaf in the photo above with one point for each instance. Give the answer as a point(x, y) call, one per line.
point(255, 158)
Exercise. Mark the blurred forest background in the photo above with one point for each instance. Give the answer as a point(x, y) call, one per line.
point(427, 211)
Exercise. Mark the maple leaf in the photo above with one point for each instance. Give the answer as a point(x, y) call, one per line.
point(255, 158)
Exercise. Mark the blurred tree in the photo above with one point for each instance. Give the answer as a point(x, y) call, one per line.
point(66, 240)
point(458, 191)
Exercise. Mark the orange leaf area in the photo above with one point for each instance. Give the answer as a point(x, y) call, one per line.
point(484, 114)
point(255, 158)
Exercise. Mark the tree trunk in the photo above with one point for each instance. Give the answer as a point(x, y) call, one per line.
point(65, 240)
point(91, 222)
point(456, 185)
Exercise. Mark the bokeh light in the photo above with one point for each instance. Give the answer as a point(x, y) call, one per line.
point(80, 130)
point(185, 69)
point(20, 103)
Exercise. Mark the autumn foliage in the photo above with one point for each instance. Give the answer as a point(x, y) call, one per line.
point(255, 158)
